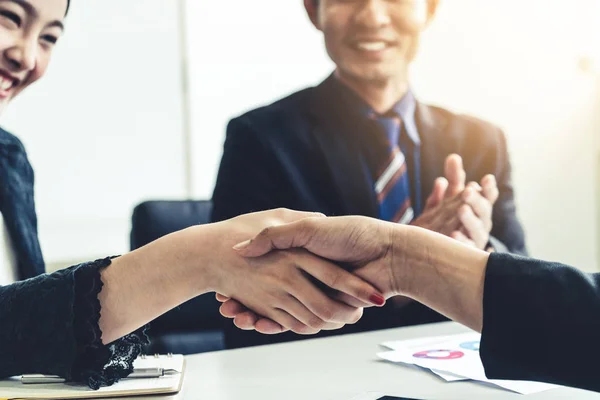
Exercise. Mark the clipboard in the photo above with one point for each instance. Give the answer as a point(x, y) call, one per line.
point(12, 388)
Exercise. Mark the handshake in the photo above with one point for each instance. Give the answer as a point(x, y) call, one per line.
point(305, 272)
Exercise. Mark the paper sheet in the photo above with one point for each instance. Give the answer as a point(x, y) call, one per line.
point(457, 355)
point(407, 345)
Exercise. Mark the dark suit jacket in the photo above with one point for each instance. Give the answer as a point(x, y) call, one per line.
point(18, 207)
point(541, 321)
point(304, 153)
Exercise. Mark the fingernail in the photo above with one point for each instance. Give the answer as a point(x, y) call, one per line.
point(243, 245)
point(377, 299)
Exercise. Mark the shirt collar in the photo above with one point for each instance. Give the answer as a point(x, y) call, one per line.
point(405, 108)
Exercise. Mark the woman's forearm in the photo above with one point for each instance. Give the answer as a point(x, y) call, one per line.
point(144, 284)
point(441, 273)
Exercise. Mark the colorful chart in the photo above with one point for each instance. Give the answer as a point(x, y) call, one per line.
point(474, 345)
point(439, 354)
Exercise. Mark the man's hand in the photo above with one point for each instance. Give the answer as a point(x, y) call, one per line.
point(463, 212)
point(475, 214)
point(441, 209)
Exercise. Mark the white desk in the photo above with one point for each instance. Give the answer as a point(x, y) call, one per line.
point(336, 368)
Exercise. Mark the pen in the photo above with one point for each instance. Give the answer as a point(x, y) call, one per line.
point(137, 373)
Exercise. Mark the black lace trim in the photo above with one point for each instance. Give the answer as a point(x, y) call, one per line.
point(97, 364)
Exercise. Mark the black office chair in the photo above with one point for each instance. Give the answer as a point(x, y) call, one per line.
point(196, 326)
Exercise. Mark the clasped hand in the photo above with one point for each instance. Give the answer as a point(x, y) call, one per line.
point(297, 289)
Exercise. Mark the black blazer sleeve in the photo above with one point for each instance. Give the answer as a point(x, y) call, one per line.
point(507, 235)
point(49, 325)
point(541, 321)
point(36, 325)
point(250, 176)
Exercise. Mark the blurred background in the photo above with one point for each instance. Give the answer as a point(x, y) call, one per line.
point(139, 94)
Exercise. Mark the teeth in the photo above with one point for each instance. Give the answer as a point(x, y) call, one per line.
point(371, 46)
point(5, 84)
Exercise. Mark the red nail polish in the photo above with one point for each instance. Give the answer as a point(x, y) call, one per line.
point(377, 299)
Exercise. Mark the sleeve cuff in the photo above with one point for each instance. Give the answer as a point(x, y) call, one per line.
point(97, 364)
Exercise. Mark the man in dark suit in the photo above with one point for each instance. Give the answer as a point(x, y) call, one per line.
point(361, 144)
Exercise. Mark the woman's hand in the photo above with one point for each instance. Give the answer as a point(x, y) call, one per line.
point(362, 244)
point(280, 285)
point(433, 269)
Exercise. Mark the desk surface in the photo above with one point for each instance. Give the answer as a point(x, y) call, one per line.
point(336, 368)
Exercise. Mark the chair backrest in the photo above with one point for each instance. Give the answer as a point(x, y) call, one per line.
point(154, 219)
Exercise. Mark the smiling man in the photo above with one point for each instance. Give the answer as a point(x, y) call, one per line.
point(361, 144)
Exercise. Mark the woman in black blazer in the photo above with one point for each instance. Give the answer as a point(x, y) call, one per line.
point(86, 323)
point(539, 320)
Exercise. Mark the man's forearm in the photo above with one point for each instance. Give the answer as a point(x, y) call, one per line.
point(441, 273)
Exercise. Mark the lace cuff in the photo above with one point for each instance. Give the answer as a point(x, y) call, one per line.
point(97, 364)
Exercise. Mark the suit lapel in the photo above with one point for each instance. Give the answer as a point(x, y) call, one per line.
point(335, 130)
point(435, 146)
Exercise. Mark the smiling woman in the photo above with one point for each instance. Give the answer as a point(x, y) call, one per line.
point(29, 30)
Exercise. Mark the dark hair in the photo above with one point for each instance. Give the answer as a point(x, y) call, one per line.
point(68, 4)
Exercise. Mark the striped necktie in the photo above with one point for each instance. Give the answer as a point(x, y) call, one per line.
point(392, 184)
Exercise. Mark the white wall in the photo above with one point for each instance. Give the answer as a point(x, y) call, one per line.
point(513, 62)
point(243, 54)
point(517, 63)
point(106, 131)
